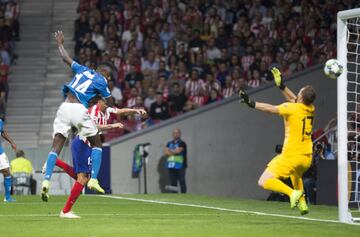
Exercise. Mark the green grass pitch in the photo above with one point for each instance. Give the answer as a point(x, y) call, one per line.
point(105, 216)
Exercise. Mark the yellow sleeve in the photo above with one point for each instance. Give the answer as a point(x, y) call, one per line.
point(286, 109)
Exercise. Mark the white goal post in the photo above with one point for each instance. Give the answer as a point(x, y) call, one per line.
point(348, 102)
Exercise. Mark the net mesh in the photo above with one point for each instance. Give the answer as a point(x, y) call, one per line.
point(353, 108)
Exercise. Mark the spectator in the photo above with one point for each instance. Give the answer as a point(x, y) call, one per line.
point(22, 170)
point(194, 85)
point(20, 164)
point(214, 96)
point(5, 32)
point(149, 67)
point(89, 44)
point(254, 79)
point(229, 88)
point(195, 101)
point(133, 76)
point(176, 153)
point(12, 12)
point(177, 99)
point(196, 42)
point(159, 109)
point(238, 40)
point(4, 73)
point(131, 101)
point(248, 58)
point(211, 83)
point(212, 52)
point(150, 98)
point(115, 92)
point(98, 38)
point(162, 86)
point(5, 57)
point(166, 35)
point(222, 74)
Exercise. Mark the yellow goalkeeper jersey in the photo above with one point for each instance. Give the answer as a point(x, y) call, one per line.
point(298, 120)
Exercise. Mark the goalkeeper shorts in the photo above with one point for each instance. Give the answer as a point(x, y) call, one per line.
point(283, 166)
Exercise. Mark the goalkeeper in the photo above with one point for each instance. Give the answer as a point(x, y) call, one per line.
point(296, 156)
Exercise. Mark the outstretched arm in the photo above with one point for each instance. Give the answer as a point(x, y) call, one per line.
point(109, 126)
point(244, 98)
point(266, 108)
point(287, 93)
point(126, 111)
point(59, 37)
point(131, 111)
point(6, 136)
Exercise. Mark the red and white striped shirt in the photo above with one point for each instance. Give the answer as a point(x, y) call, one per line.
point(227, 92)
point(193, 87)
point(246, 61)
point(98, 116)
point(131, 102)
point(199, 100)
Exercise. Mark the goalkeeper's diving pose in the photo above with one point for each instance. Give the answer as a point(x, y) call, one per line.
point(296, 155)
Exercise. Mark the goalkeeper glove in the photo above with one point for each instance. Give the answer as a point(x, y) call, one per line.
point(244, 98)
point(278, 78)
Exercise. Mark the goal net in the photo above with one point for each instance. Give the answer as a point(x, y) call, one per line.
point(348, 50)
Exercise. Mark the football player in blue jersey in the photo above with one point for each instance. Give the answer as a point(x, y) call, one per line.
point(85, 85)
point(4, 163)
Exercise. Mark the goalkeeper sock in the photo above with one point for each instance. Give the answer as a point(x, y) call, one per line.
point(277, 185)
point(66, 167)
point(50, 164)
point(297, 183)
point(74, 194)
point(7, 185)
point(96, 155)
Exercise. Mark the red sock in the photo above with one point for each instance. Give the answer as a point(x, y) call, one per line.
point(66, 167)
point(74, 194)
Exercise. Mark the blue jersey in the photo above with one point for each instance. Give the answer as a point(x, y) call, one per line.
point(86, 84)
point(1, 131)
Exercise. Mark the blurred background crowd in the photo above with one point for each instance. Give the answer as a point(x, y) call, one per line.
point(174, 56)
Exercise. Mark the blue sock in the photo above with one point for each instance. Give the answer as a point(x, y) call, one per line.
point(7, 185)
point(50, 164)
point(96, 155)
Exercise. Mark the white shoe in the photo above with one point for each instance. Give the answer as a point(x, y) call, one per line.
point(69, 215)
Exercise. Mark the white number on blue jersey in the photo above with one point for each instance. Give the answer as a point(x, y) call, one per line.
point(85, 85)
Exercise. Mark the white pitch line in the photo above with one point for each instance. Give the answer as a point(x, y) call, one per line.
point(225, 209)
point(117, 214)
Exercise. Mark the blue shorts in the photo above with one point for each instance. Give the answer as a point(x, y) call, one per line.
point(81, 155)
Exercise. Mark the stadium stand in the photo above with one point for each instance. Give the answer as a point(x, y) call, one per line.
point(156, 43)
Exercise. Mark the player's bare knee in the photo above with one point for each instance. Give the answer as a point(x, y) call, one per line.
point(95, 141)
point(82, 178)
point(6, 172)
point(58, 143)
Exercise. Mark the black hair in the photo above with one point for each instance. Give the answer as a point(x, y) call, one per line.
point(20, 153)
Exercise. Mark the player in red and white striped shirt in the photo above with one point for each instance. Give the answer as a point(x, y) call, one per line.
point(100, 114)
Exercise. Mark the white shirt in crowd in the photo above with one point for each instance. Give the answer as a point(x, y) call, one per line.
point(148, 101)
point(116, 93)
point(213, 53)
point(99, 41)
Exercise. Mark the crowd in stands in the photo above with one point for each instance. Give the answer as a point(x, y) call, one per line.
point(9, 34)
point(173, 56)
